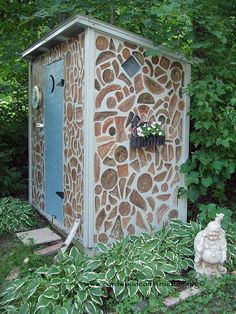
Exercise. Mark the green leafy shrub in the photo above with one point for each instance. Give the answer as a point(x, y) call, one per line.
point(15, 215)
point(137, 268)
point(138, 265)
point(208, 212)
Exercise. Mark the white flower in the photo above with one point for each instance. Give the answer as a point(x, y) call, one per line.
point(149, 128)
point(159, 122)
point(160, 133)
point(153, 124)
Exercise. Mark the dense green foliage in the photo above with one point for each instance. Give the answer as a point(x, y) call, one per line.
point(15, 215)
point(13, 253)
point(217, 296)
point(203, 28)
point(136, 268)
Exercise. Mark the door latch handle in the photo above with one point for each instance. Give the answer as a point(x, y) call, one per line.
point(60, 194)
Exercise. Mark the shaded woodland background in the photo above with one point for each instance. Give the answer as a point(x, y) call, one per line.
point(197, 28)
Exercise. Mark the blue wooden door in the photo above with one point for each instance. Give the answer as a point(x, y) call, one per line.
point(54, 112)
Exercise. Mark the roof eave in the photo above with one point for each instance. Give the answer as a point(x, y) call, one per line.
point(77, 24)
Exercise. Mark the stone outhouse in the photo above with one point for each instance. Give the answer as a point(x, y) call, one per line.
point(88, 81)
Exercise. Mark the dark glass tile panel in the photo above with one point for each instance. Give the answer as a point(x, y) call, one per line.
point(131, 66)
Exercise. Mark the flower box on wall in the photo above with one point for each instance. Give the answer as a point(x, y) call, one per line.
point(138, 142)
point(146, 134)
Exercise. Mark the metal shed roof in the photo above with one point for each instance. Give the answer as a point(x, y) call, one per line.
point(78, 24)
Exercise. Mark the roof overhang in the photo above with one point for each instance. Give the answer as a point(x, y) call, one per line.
point(77, 24)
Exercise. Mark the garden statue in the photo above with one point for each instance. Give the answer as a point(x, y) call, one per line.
point(210, 248)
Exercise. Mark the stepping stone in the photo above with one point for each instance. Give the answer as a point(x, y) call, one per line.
point(182, 296)
point(38, 236)
point(14, 273)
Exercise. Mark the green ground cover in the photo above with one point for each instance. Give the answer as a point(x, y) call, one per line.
point(147, 268)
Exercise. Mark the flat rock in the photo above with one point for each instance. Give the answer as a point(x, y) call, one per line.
point(38, 236)
point(182, 296)
point(14, 273)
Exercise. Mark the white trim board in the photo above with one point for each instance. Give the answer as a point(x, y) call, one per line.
point(89, 137)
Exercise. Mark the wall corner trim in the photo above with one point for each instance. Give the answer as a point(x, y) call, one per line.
point(89, 137)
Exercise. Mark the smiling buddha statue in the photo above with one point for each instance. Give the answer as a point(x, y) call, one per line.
point(210, 248)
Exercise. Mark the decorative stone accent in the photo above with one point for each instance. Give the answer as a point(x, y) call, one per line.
point(210, 248)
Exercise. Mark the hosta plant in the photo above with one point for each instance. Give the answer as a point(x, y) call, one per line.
point(136, 267)
point(15, 215)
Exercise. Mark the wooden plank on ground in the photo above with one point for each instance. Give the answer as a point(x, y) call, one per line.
point(50, 249)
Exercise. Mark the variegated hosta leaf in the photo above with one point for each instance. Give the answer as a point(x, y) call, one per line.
point(51, 293)
point(118, 289)
point(32, 287)
point(145, 289)
point(82, 295)
point(132, 288)
point(103, 248)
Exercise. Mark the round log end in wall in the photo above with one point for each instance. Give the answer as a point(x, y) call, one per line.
point(144, 183)
point(173, 214)
point(124, 208)
point(102, 238)
point(176, 75)
point(112, 131)
point(121, 154)
point(111, 102)
point(108, 76)
point(109, 179)
point(101, 43)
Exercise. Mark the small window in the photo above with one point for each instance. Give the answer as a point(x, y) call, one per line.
point(131, 66)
